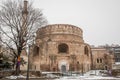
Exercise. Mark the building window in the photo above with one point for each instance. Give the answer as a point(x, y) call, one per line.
point(86, 50)
point(36, 51)
point(63, 48)
point(100, 60)
point(97, 60)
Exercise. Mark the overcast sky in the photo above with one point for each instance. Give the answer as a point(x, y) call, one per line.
point(99, 19)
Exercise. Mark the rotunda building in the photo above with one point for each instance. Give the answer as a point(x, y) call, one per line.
point(60, 47)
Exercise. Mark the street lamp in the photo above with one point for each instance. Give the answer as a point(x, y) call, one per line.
point(28, 52)
point(28, 55)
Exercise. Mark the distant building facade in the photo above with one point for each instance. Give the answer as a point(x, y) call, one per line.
point(60, 47)
point(115, 50)
point(102, 58)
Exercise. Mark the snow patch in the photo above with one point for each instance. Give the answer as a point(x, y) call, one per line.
point(15, 77)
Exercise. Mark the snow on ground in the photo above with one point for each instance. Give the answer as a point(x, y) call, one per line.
point(100, 77)
point(90, 75)
point(87, 78)
point(15, 77)
point(96, 72)
point(78, 77)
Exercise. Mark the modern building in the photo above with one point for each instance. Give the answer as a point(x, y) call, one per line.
point(117, 54)
point(116, 65)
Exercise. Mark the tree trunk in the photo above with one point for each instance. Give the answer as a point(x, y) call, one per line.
point(18, 66)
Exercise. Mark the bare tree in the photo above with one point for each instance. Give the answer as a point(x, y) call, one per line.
point(18, 24)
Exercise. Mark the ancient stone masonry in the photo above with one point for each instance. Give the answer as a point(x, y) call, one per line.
point(102, 59)
point(60, 47)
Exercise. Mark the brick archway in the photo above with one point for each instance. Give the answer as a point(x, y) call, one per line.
point(63, 65)
point(63, 68)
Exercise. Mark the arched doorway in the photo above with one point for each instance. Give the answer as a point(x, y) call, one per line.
point(63, 65)
point(63, 68)
point(106, 67)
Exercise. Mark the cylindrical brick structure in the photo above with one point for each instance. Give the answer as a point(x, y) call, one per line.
point(60, 47)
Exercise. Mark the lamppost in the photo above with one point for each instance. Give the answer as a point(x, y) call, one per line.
point(28, 53)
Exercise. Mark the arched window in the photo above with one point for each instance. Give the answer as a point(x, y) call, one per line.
point(36, 51)
point(97, 60)
point(77, 62)
point(63, 48)
point(86, 50)
point(100, 60)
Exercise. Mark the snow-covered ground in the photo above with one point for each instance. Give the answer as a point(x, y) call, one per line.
point(87, 78)
point(96, 72)
point(91, 75)
point(15, 77)
point(78, 77)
